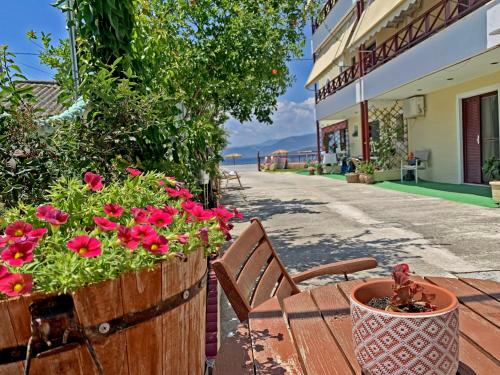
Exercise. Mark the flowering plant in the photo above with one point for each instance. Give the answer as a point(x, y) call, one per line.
point(408, 296)
point(93, 231)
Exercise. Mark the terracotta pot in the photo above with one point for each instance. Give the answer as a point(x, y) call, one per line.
point(369, 179)
point(319, 170)
point(311, 171)
point(352, 178)
point(362, 178)
point(495, 190)
point(391, 343)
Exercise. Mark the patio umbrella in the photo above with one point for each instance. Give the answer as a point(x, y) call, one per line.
point(280, 152)
point(232, 156)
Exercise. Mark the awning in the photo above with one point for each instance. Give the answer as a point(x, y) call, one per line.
point(376, 17)
point(329, 57)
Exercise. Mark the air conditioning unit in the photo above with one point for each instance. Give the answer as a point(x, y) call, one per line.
point(414, 107)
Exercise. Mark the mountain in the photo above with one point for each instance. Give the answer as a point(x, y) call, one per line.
point(305, 142)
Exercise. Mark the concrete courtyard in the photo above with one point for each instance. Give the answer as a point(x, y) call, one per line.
point(314, 220)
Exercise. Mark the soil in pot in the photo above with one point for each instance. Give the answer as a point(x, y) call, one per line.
point(383, 302)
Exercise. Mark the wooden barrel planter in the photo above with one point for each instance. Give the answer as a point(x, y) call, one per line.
point(149, 322)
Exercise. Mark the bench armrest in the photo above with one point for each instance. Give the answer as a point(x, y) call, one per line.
point(338, 268)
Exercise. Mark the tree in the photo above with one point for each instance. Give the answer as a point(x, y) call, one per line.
point(188, 64)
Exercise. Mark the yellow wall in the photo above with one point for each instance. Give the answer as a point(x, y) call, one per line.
point(354, 142)
point(438, 130)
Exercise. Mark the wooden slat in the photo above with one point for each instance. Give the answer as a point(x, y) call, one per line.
point(7, 340)
point(335, 309)
point(284, 289)
point(474, 362)
point(318, 351)
point(235, 354)
point(241, 248)
point(143, 290)
point(273, 350)
point(347, 287)
point(480, 331)
point(481, 303)
point(490, 287)
point(252, 268)
point(267, 283)
point(93, 306)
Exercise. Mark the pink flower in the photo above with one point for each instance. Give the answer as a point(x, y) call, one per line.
point(160, 219)
point(203, 235)
point(222, 214)
point(139, 232)
point(93, 181)
point(200, 214)
point(16, 284)
point(226, 229)
point(4, 272)
point(237, 214)
point(126, 239)
point(188, 206)
point(185, 194)
point(183, 238)
point(113, 210)
point(85, 246)
point(140, 215)
point(56, 217)
point(170, 210)
point(4, 241)
point(19, 253)
point(155, 244)
point(18, 229)
point(134, 172)
point(37, 234)
point(43, 211)
point(105, 224)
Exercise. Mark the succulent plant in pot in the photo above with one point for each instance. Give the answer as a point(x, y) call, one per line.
point(491, 169)
point(400, 326)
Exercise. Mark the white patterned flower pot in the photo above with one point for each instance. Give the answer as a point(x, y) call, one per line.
point(390, 343)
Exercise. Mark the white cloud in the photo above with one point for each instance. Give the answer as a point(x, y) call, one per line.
point(291, 118)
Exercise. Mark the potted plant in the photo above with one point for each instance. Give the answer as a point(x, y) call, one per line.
point(360, 169)
point(319, 168)
point(491, 169)
point(311, 170)
point(113, 262)
point(400, 326)
point(352, 177)
point(366, 170)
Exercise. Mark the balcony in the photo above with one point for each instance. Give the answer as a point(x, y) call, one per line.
point(441, 16)
point(330, 16)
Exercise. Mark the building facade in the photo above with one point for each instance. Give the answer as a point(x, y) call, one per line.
point(399, 76)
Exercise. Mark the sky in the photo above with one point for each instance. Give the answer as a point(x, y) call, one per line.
point(294, 116)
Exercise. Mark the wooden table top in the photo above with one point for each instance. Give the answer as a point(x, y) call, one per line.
point(310, 333)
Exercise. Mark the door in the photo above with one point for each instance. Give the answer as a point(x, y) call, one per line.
point(481, 138)
point(471, 115)
point(490, 139)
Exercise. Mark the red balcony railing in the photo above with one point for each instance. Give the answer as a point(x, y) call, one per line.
point(323, 13)
point(440, 16)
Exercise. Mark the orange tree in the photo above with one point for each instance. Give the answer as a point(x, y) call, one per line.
point(163, 76)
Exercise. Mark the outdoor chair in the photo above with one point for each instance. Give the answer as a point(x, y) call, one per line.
point(419, 163)
point(230, 175)
point(250, 271)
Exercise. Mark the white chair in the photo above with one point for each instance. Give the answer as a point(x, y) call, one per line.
point(230, 175)
point(422, 158)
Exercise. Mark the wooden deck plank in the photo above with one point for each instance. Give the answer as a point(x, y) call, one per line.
point(477, 301)
point(490, 287)
point(235, 354)
point(474, 362)
point(347, 287)
point(335, 310)
point(480, 331)
point(273, 350)
point(318, 351)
